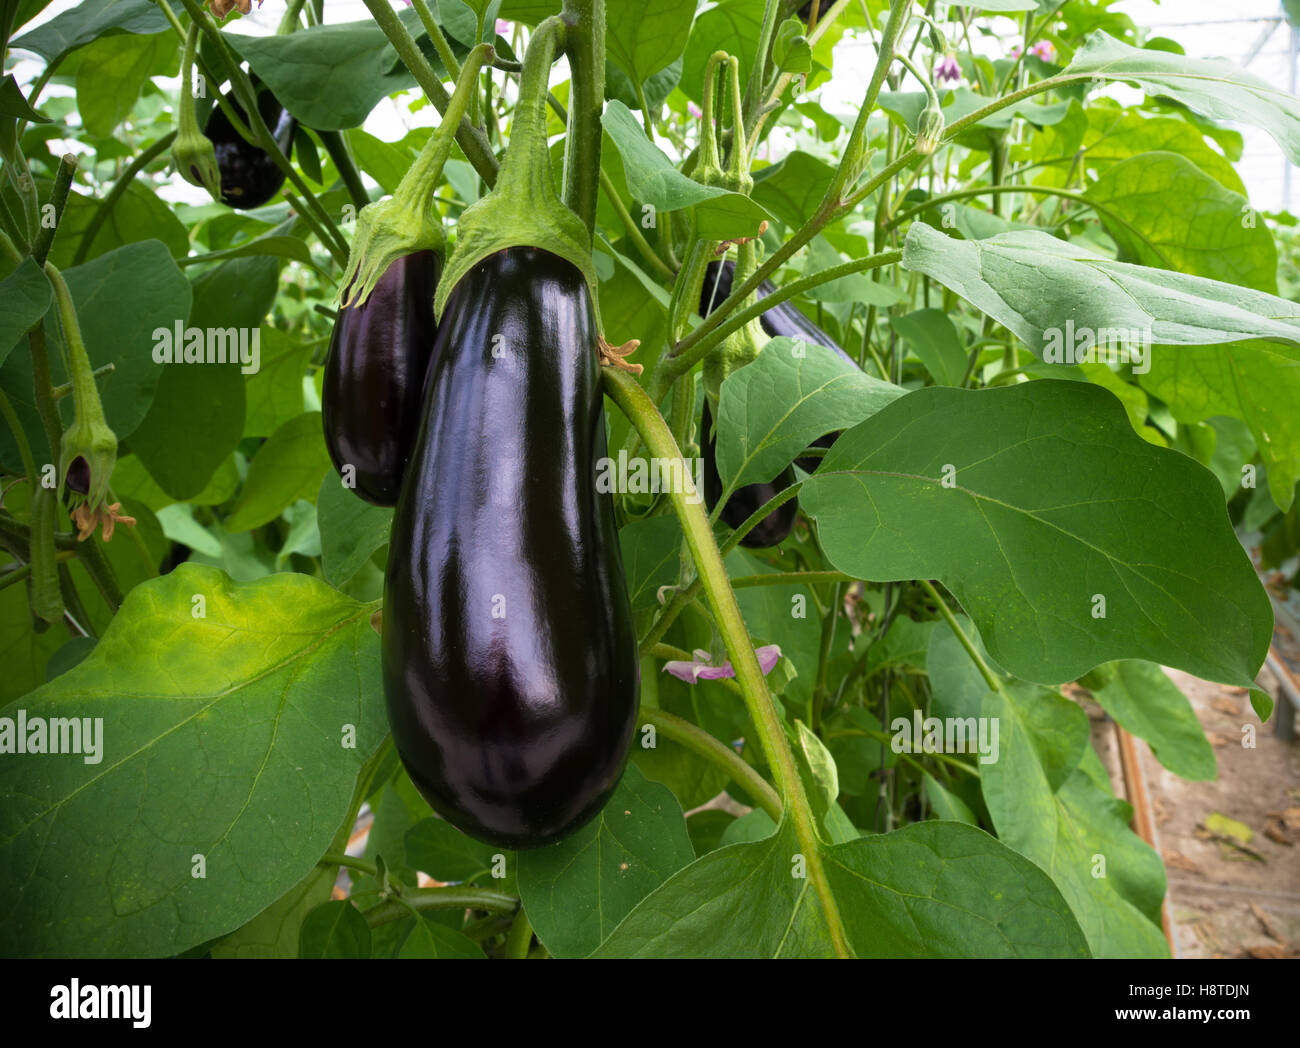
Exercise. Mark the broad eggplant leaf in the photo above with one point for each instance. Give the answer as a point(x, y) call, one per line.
point(1049, 810)
point(351, 529)
point(934, 889)
point(232, 720)
point(791, 394)
point(289, 466)
point(577, 890)
point(650, 41)
point(90, 20)
point(653, 181)
point(26, 293)
point(1210, 86)
point(1067, 538)
point(1146, 703)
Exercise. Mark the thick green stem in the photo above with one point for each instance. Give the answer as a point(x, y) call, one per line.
point(634, 234)
point(990, 678)
point(338, 150)
point(520, 937)
point(720, 755)
point(701, 340)
point(440, 42)
point(452, 897)
point(641, 411)
point(58, 198)
point(585, 47)
point(475, 144)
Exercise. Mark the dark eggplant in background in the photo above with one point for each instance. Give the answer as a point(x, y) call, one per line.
point(773, 528)
point(374, 376)
point(510, 661)
point(249, 177)
point(781, 320)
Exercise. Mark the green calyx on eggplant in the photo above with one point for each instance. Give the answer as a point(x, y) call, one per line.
point(249, 176)
point(510, 663)
point(781, 320)
point(375, 372)
point(772, 529)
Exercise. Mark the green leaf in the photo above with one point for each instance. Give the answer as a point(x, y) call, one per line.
point(1052, 504)
point(351, 529)
point(334, 930)
point(26, 294)
point(274, 933)
point(793, 393)
point(1051, 812)
point(111, 73)
point(1163, 211)
point(288, 467)
point(429, 940)
point(1258, 382)
point(329, 76)
point(1213, 87)
point(88, 21)
point(227, 736)
point(651, 41)
point(652, 179)
point(1146, 703)
point(576, 890)
point(273, 394)
point(25, 653)
point(946, 805)
point(929, 890)
point(791, 52)
point(651, 557)
point(730, 25)
point(121, 297)
point(1116, 134)
point(933, 338)
point(197, 417)
point(138, 215)
point(792, 188)
point(436, 847)
point(1035, 285)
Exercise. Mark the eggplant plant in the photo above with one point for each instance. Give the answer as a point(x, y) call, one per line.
point(677, 501)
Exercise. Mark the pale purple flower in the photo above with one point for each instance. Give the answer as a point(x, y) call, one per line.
point(701, 668)
point(502, 27)
point(1045, 50)
point(696, 112)
point(947, 70)
point(1014, 52)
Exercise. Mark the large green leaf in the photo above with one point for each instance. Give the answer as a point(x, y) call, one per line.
point(1044, 289)
point(1050, 504)
point(652, 40)
point(1210, 86)
point(112, 71)
point(934, 889)
point(26, 294)
point(88, 21)
point(1148, 704)
point(139, 214)
point(792, 188)
point(121, 298)
point(793, 393)
point(233, 728)
point(1038, 286)
point(1049, 810)
point(288, 467)
point(651, 551)
point(351, 529)
point(730, 25)
point(577, 890)
point(1257, 382)
point(328, 76)
point(652, 179)
point(1163, 211)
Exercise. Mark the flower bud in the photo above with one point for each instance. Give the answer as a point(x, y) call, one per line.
point(929, 130)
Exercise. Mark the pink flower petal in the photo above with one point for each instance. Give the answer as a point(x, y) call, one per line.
point(682, 670)
point(768, 656)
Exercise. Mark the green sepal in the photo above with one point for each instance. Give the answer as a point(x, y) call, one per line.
point(523, 209)
point(409, 220)
point(192, 152)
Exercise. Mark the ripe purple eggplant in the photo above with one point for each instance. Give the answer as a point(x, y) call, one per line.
point(509, 653)
point(374, 377)
point(249, 177)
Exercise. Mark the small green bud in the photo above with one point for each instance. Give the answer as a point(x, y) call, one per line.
point(196, 160)
point(929, 130)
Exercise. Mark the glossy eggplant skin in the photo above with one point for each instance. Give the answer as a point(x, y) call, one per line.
point(374, 376)
point(249, 177)
point(510, 661)
point(773, 528)
point(777, 321)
